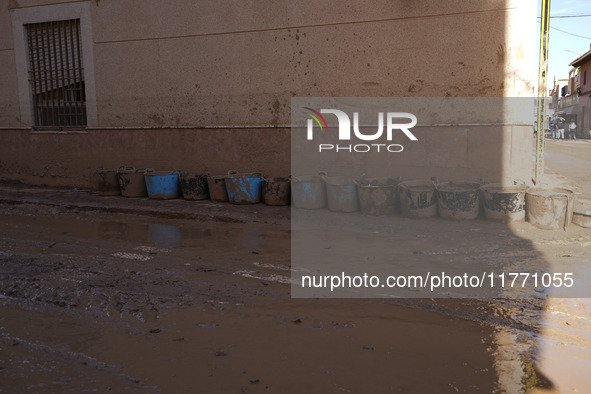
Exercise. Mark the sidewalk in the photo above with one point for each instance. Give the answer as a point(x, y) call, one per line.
point(86, 200)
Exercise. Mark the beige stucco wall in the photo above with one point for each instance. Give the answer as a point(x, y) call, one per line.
point(9, 108)
point(194, 64)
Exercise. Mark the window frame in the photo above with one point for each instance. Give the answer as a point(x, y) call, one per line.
point(56, 74)
point(52, 13)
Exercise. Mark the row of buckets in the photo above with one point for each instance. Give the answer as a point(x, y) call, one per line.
point(548, 209)
point(234, 187)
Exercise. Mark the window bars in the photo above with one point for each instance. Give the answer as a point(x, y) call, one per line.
point(56, 74)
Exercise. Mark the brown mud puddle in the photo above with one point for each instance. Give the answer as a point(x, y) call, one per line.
point(93, 301)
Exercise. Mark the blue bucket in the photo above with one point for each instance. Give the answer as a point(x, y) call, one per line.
point(309, 192)
point(162, 185)
point(341, 194)
point(243, 188)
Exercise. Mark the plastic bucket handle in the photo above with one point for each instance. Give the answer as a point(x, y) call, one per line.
point(358, 181)
point(270, 179)
point(126, 169)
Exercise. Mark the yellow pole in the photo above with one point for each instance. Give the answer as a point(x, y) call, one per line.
point(544, 33)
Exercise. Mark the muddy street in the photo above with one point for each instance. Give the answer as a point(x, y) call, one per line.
point(571, 159)
point(114, 301)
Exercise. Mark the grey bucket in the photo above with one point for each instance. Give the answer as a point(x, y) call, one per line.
point(132, 181)
point(308, 192)
point(107, 182)
point(458, 200)
point(418, 199)
point(377, 196)
point(216, 185)
point(549, 209)
point(504, 202)
point(341, 194)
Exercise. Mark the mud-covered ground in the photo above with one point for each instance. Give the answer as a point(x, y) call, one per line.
point(119, 294)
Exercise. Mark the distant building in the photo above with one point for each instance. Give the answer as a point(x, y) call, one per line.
point(583, 65)
point(560, 84)
point(573, 82)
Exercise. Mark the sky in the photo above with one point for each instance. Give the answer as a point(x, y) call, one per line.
point(563, 47)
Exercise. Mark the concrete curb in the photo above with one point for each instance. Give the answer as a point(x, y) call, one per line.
point(86, 200)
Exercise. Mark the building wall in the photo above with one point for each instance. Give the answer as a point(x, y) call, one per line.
point(585, 83)
point(206, 86)
point(584, 117)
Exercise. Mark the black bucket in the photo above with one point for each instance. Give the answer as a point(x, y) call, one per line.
point(378, 196)
point(194, 187)
point(277, 191)
point(458, 200)
point(418, 199)
point(505, 203)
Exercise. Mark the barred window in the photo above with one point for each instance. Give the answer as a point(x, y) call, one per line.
point(56, 74)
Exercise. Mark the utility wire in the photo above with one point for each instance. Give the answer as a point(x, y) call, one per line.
point(572, 34)
point(569, 33)
point(568, 16)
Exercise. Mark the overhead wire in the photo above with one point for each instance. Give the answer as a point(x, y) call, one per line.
point(568, 16)
point(569, 33)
